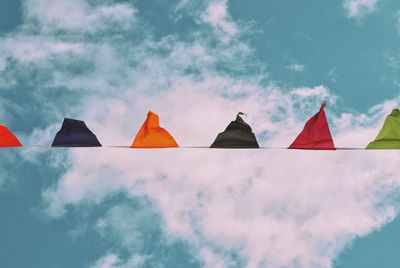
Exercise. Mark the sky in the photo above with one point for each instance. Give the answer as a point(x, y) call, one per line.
point(197, 64)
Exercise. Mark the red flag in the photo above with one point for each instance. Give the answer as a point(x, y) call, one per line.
point(316, 134)
point(7, 138)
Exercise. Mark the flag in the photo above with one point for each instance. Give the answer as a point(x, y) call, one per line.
point(316, 134)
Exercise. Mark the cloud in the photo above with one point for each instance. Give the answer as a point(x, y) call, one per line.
point(147, 244)
point(108, 261)
point(251, 202)
point(283, 208)
point(308, 92)
point(11, 160)
point(332, 75)
point(113, 261)
point(28, 48)
point(78, 15)
point(358, 9)
point(214, 15)
point(2, 64)
point(296, 67)
point(217, 15)
point(276, 208)
point(393, 61)
point(211, 259)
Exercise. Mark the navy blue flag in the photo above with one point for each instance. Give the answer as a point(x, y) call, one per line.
point(75, 133)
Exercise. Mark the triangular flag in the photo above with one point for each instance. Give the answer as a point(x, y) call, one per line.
point(238, 134)
point(7, 138)
point(316, 134)
point(75, 133)
point(389, 136)
point(151, 135)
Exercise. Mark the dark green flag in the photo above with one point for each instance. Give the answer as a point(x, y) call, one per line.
point(238, 134)
point(389, 136)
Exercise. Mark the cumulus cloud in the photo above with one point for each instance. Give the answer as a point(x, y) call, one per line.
point(242, 201)
point(2, 64)
point(78, 15)
point(29, 48)
point(108, 261)
point(297, 67)
point(10, 159)
point(316, 91)
point(113, 261)
point(358, 9)
point(217, 15)
point(276, 208)
point(246, 201)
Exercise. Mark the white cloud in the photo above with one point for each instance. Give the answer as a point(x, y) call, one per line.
point(393, 59)
point(79, 15)
point(3, 64)
point(108, 261)
point(281, 208)
point(308, 92)
point(297, 67)
point(358, 9)
point(28, 48)
point(269, 207)
point(113, 261)
point(332, 75)
point(211, 259)
point(217, 16)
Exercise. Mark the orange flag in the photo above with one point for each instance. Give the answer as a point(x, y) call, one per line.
point(151, 135)
point(7, 138)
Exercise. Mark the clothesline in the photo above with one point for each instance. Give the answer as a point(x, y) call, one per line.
point(238, 134)
point(183, 147)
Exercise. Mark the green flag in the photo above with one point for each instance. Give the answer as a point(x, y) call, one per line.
point(389, 136)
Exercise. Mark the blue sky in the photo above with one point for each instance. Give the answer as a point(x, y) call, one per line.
point(197, 64)
point(348, 56)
